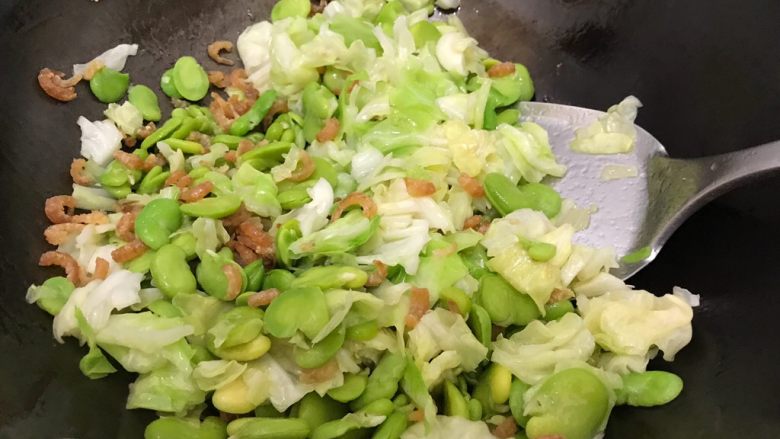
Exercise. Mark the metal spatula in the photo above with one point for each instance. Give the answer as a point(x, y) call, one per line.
point(640, 213)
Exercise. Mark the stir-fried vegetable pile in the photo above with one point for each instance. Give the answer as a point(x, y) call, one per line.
point(354, 239)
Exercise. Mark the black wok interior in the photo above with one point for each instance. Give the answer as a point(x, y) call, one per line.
point(708, 72)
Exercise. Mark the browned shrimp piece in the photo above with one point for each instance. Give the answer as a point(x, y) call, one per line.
point(239, 79)
point(329, 131)
point(178, 178)
point(73, 270)
point(501, 69)
point(416, 415)
point(94, 217)
point(378, 275)
point(235, 220)
point(419, 188)
point(231, 157)
point(203, 139)
point(223, 112)
point(129, 251)
point(246, 145)
point(234, 281)
point(305, 169)
point(153, 160)
point(355, 199)
point(54, 84)
point(59, 209)
point(101, 269)
point(196, 193)
point(320, 374)
point(244, 255)
point(129, 141)
point(263, 298)
point(471, 185)
point(279, 106)
point(419, 303)
point(125, 228)
point(560, 294)
point(78, 172)
point(476, 222)
point(57, 234)
point(131, 161)
point(317, 8)
point(506, 429)
point(251, 234)
point(453, 307)
point(216, 47)
point(217, 79)
point(146, 130)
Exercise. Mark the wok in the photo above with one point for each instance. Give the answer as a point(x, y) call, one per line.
point(706, 70)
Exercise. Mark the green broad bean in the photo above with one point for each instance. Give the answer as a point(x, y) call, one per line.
point(287, 234)
point(269, 428)
point(228, 140)
point(252, 118)
point(185, 146)
point(424, 33)
point(380, 407)
point(164, 308)
point(172, 428)
point(200, 354)
point(167, 85)
point(55, 292)
point(157, 221)
point(237, 326)
point(517, 401)
point(490, 119)
point(475, 409)
point(637, 255)
point(502, 193)
point(649, 389)
point(509, 116)
point(279, 279)
point(541, 251)
point(180, 113)
point(334, 79)
point(383, 381)
point(541, 197)
point(267, 156)
point(353, 387)
point(188, 125)
point(141, 264)
point(572, 403)
point(117, 174)
point(213, 428)
point(109, 85)
point(554, 311)
point(363, 331)
point(290, 8)
point(161, 133)
point(255, 137)
point(189, 78)
point(146, 101)
point(267, 410)
point(482, 394)
point(303, 309)
point(119, 192)
point(331, 277)
point(393, 427)
point(504, 304)
point(293, 198)
point(323, 168)
point(199, 172)
point(320, 353)
point(187, 242)
point(211, 275)
point(248, 351)
point(275, 130)
point(317, 410)
point(500, 382)
point(254, 273)
point(171, 273)
point(401, 400)
point(454, 402)
point(458, 297)
point(479, 322)
point(153, 181)
point(289, 135)
point(388, 14)
point(213, 207)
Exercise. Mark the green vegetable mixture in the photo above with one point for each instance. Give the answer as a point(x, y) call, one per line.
point(356, 237)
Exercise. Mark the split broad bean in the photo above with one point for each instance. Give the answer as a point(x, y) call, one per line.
point(504, 304)
point(252, 118)
point(146, 101)
point(189, 79)
point(109, 85)
point(170, 271)
point(506, 197)
point(157, 221)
